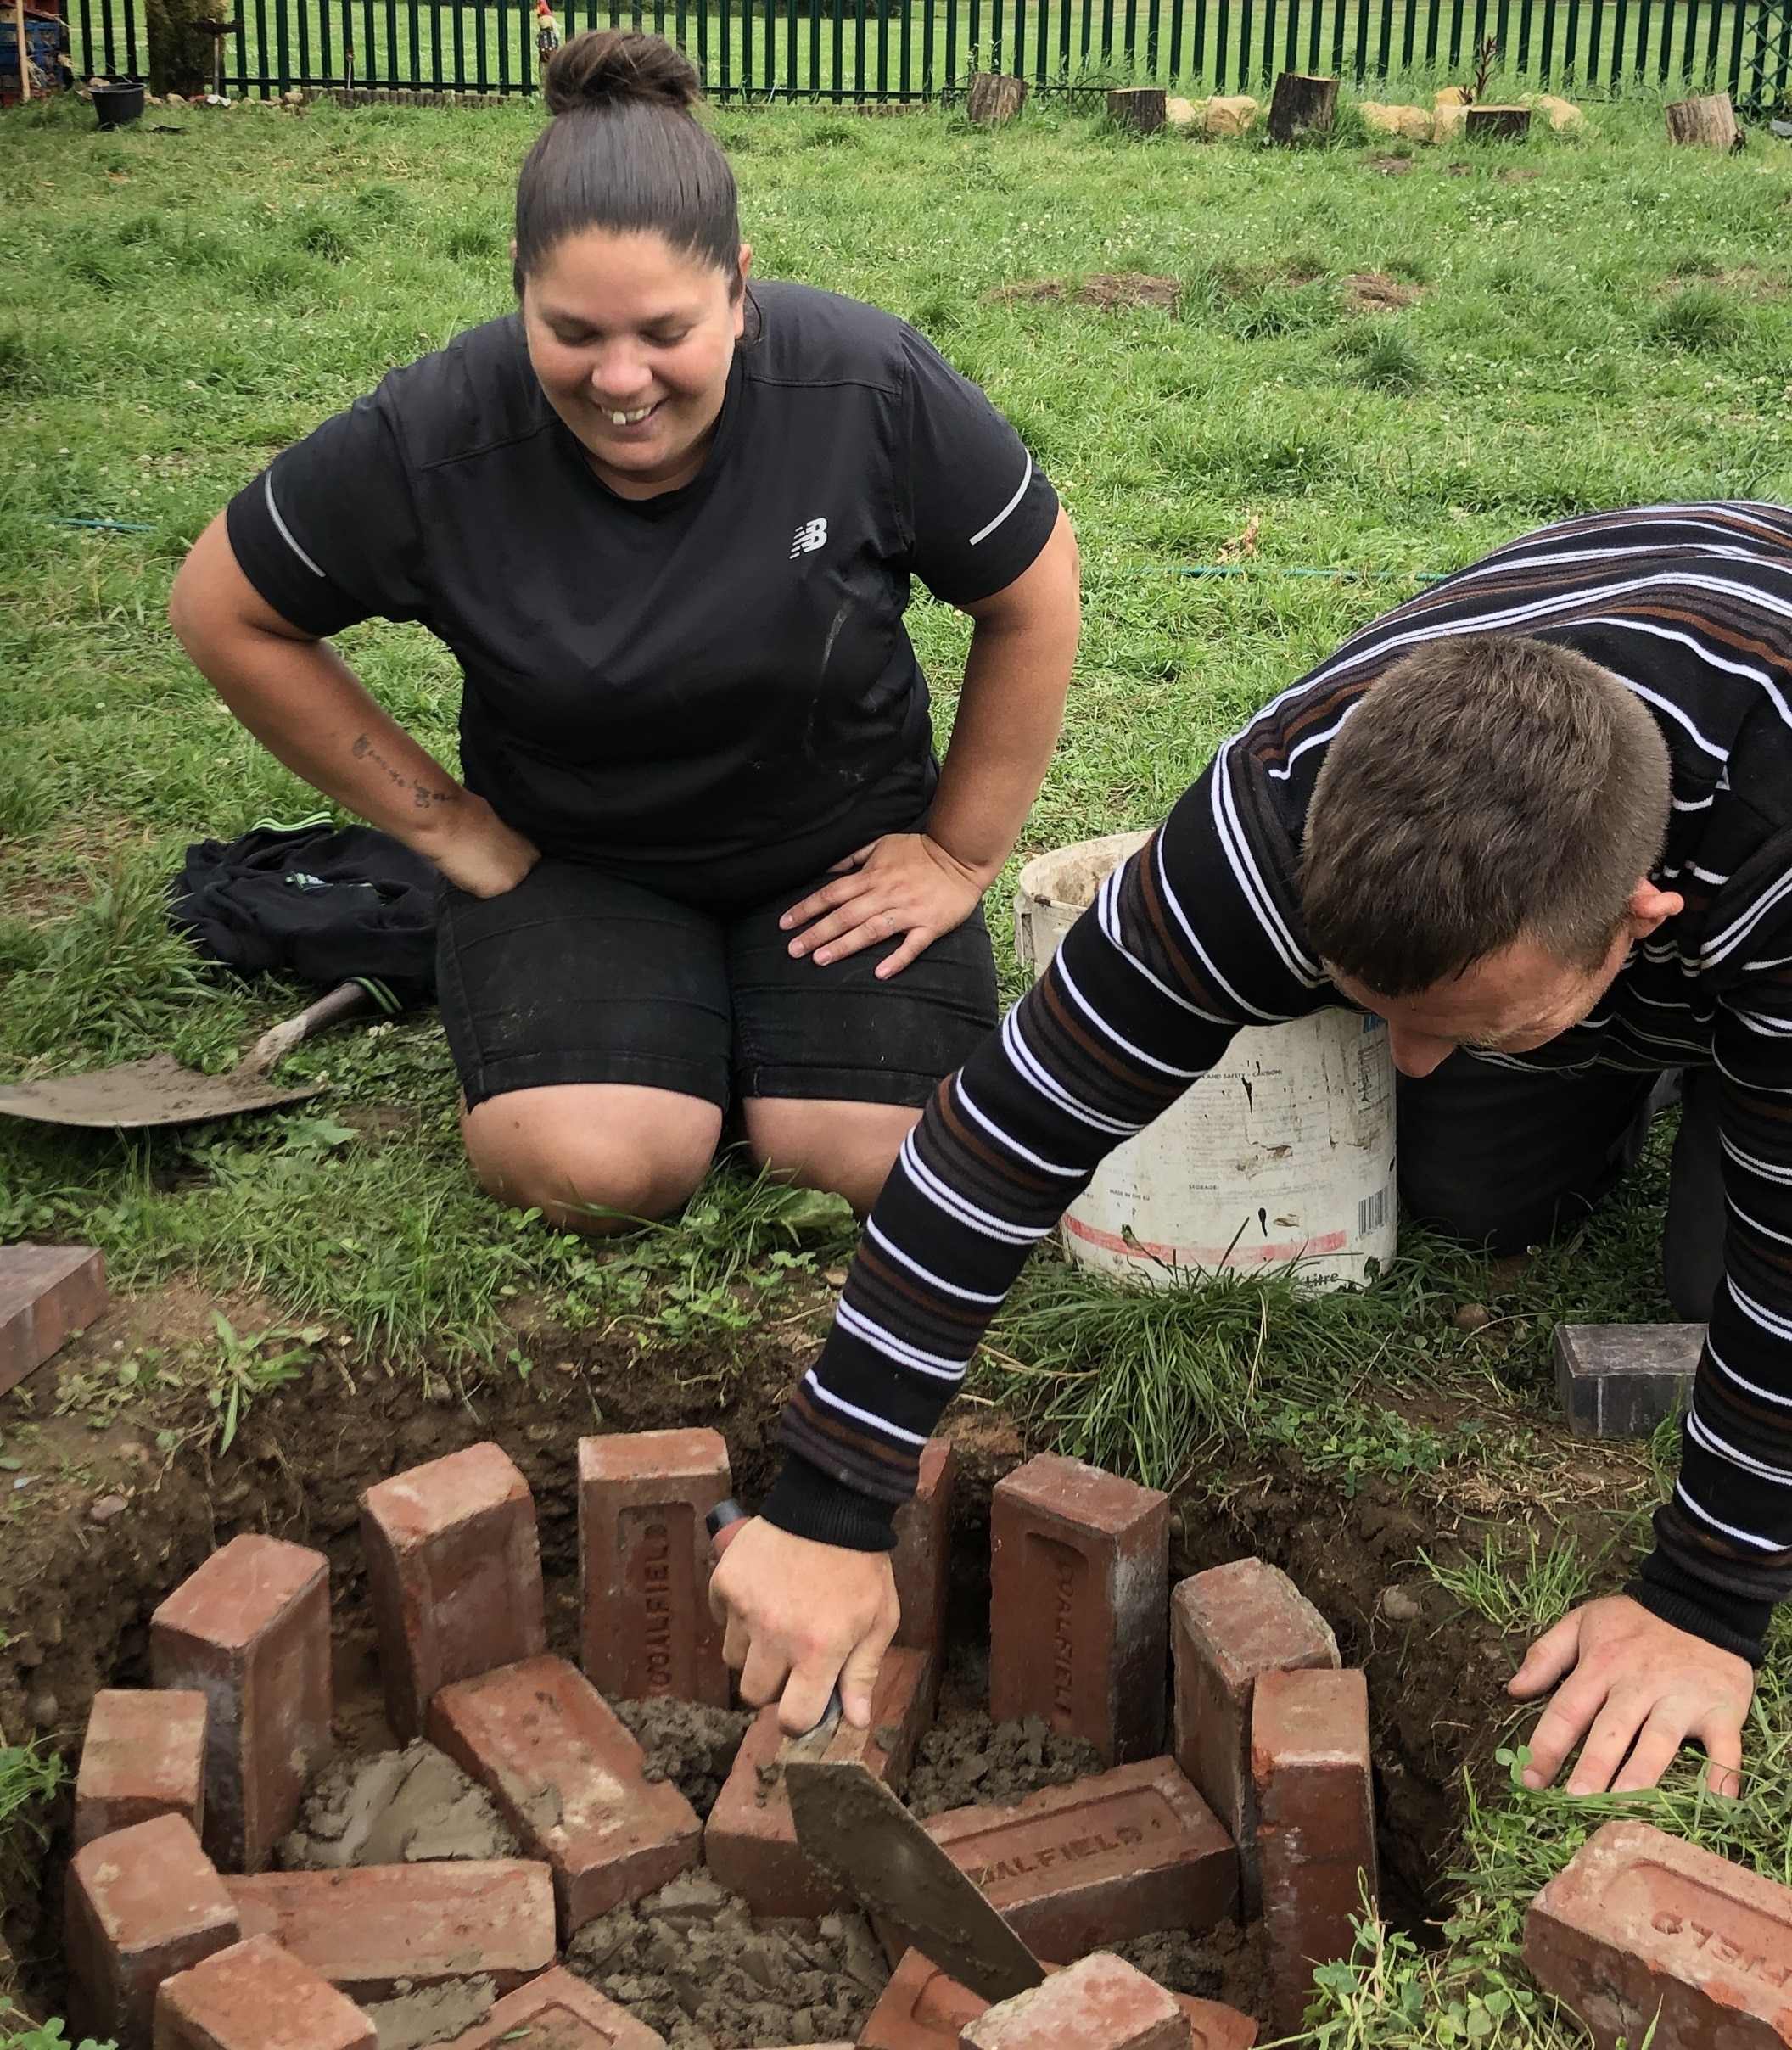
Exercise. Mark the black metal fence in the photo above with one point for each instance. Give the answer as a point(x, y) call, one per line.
point(896, 51)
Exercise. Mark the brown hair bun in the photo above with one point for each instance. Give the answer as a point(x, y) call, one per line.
point(612, 67)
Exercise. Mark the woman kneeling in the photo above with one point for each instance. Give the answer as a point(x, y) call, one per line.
point(703, 853)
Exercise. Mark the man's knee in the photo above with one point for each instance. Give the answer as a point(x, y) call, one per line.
point(848, 1148)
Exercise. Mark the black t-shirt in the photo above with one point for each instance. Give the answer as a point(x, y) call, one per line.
point(712, 690)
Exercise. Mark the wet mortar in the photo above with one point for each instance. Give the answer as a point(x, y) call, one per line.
point(76, 1596)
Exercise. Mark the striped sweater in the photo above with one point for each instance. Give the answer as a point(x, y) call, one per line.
point(1201, 933)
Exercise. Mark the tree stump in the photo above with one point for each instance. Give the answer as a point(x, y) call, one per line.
point(1302, 105)
point(1139, 108)
point(994, 98)
point(1498, 123)
point(180, 47)
point(1707, 122)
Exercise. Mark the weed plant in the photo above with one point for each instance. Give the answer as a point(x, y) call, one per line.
point(186, 296)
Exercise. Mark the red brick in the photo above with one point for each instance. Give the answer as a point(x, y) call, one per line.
point(143, 1756)
point(644, 1563)
point(141, 1904)
point(1079, 1582)
point(558, 2011)
point(922, 2009)
point(454, 1569)
point(256, 1996)
point(750, 1839)
point(1098, 2003)
point(1104, 1859)
point(922, 1559)
point(45, 1291)
point(251, 1632)
point(1638, 1922)
point(367, 1926)
point(570, 1781)
point(1316, 1824)
point(1227, 1627)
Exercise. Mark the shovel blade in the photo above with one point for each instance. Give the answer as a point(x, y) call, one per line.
point(141, 1094)
point(852, 1826)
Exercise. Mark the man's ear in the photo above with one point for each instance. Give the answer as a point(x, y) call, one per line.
point(1649, 907)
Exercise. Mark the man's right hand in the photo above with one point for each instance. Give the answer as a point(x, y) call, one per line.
point(801, 1616)
point(477, 851)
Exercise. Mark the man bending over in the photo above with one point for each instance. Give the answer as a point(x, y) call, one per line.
point(1540, 819)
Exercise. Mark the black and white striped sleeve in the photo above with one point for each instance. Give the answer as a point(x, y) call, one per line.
point(329, 533)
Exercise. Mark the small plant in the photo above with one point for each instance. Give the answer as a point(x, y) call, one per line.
point(1530, 1591)
point(1386, 359)
point(1698, 317)
point(1477, 90)
point(38, 2036)
point(242, 1372)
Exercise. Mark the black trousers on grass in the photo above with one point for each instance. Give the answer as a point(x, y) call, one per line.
point(1505, 1159)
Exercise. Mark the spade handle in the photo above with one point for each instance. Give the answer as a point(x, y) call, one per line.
point(344, 1001)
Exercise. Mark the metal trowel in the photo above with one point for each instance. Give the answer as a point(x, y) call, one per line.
point(851, 1825)
point(160, 1091)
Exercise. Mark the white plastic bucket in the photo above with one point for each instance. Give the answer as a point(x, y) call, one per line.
point(1282, 1152)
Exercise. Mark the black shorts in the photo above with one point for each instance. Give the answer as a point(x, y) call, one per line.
point(575, 977)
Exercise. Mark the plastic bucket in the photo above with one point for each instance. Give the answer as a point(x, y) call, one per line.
point(1284, 1152)
point(118, 105)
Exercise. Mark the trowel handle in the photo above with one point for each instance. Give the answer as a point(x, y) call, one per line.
point(723, 1524)
point(344, 1001)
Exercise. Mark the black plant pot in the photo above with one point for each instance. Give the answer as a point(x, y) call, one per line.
point(117, 105)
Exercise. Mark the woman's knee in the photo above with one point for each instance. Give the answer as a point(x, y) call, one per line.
point(848, 1149)
point(591, 1157)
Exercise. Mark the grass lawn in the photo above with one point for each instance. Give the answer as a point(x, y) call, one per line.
point(1586, 322)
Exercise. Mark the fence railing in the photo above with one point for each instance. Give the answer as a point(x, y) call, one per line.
point(896, 51)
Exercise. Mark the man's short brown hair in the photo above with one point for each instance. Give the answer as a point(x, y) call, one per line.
point(1486, 788)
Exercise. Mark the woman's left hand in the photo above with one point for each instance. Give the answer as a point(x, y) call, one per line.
point(905, 882)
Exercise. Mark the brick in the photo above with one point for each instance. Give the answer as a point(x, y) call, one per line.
point(1106, 1858)
point(1619, 1380)
point(144, 1756)
point(256, 1996)
point(454, 1569)
point(45, 1291)
point(1227, 1627)
point(571, 1781)
point(644, 1564)
point(750, 1840)
point(559, 2012)
point(1638, 1921)
point(367, 1927)
point(1316, 1824)
point(922, 1559)
point(1098, 2003)
point(922, 2009)
point(141, 1904)
point(251, 1632)
point(1079, 1582)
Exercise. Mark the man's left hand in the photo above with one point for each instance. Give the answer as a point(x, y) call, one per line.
point(905, 882)
point(1636, 1688)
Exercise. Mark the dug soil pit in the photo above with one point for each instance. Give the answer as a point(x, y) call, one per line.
point(1111, 291)
point(1372, 292)
point(75, 1597)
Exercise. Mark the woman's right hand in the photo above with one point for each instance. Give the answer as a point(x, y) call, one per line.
point(481, 854)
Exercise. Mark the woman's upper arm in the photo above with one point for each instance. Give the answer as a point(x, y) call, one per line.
point(1049, 590)
point(212, 597)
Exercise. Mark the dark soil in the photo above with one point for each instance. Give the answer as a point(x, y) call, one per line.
point(1372, 292)
point(76, 1596)
point(688, 1743)
point(966, 1759)
point(691, 1962)
point(1111, 291)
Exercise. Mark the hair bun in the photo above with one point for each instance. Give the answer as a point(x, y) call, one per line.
point(609, 67)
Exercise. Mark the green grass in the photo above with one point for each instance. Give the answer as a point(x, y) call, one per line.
point(1614, 328)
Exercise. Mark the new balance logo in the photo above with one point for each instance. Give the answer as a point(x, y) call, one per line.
point(809, 536)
